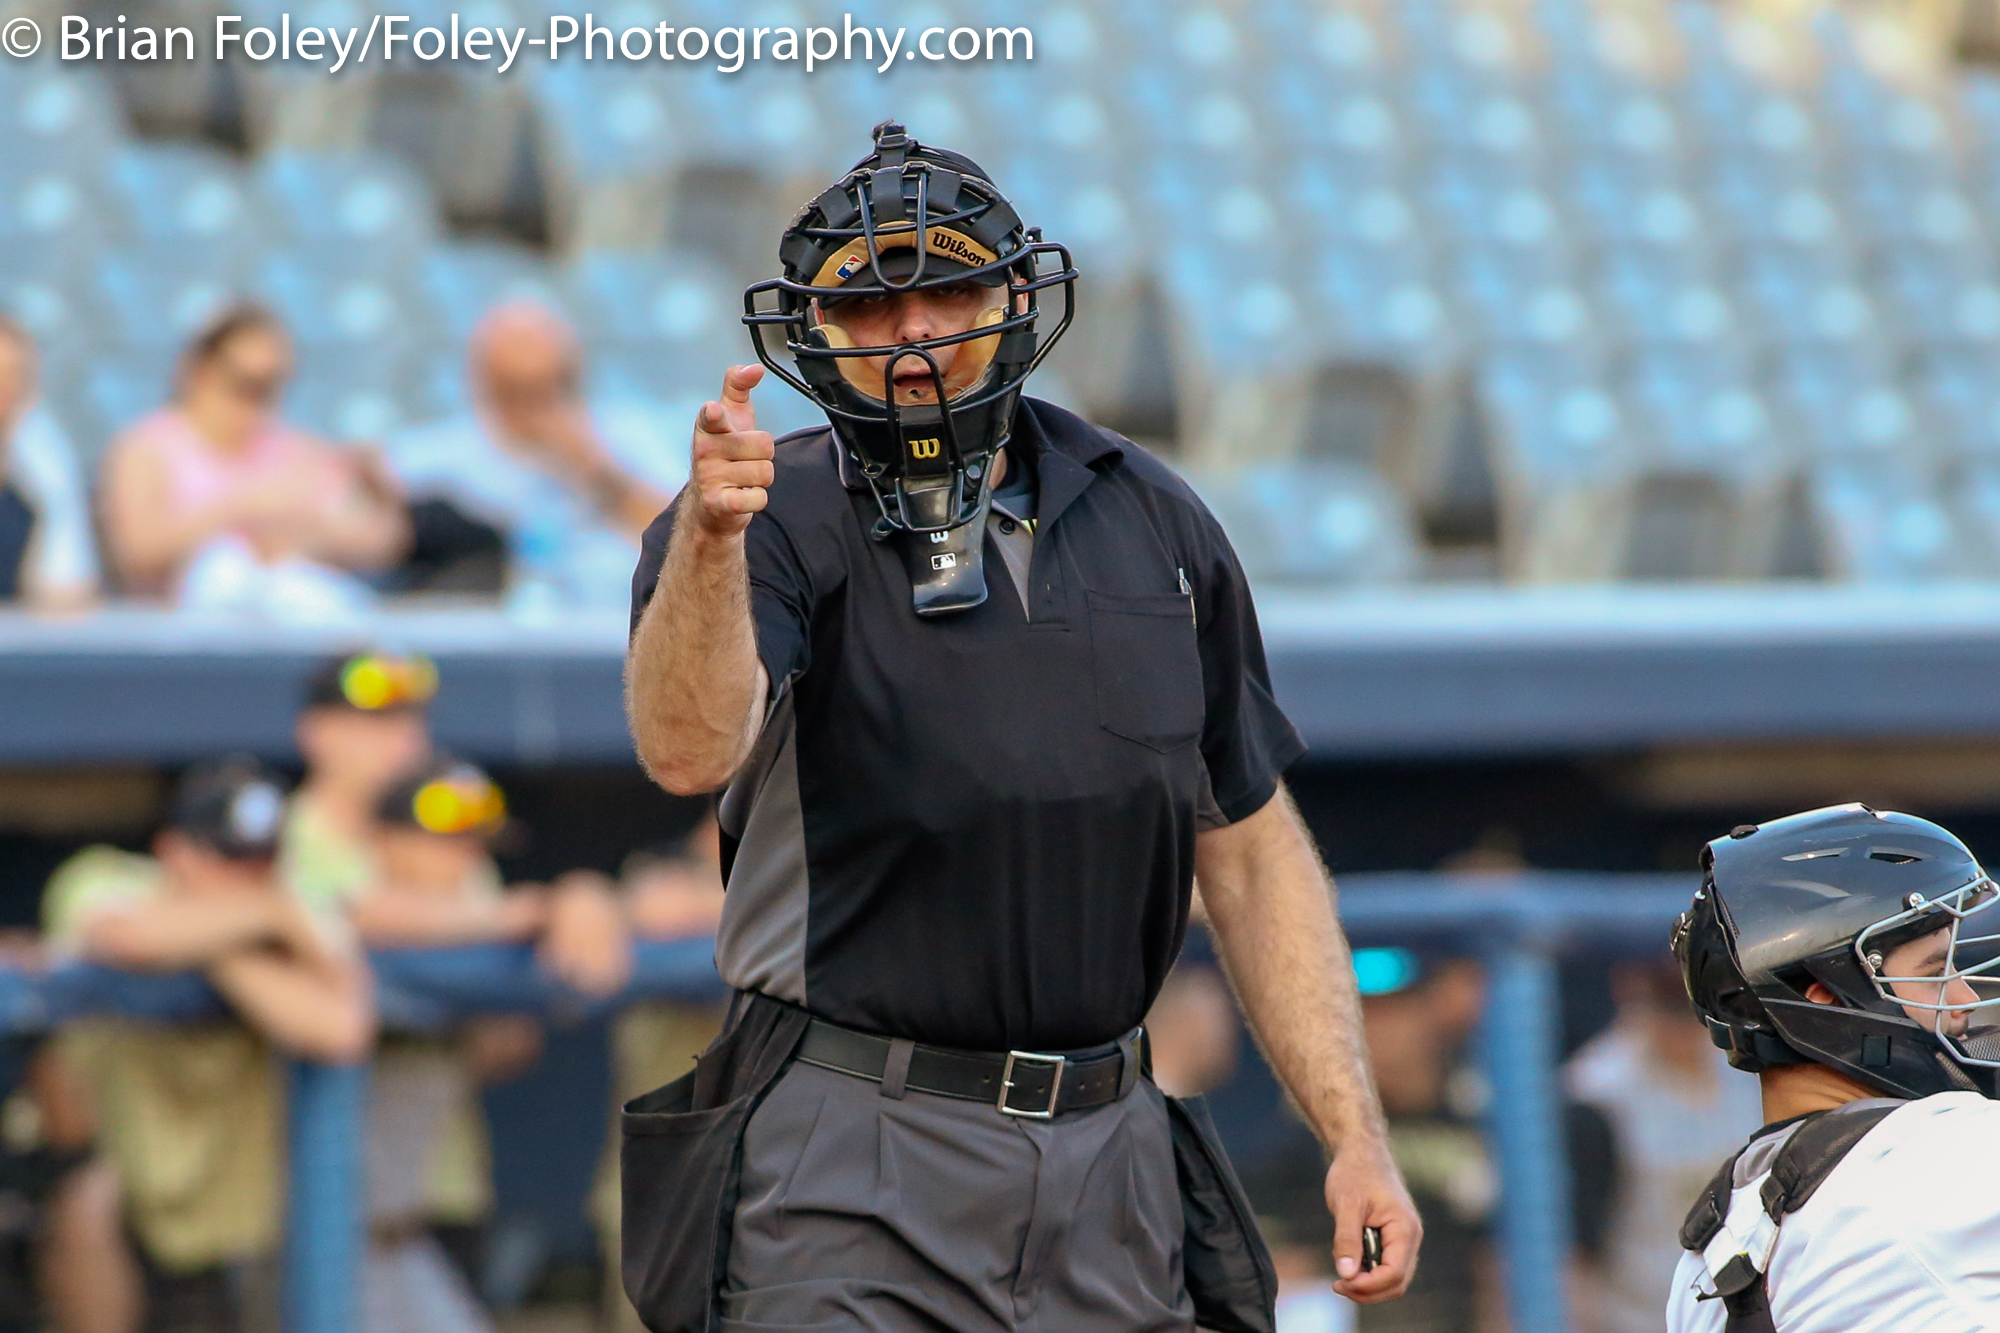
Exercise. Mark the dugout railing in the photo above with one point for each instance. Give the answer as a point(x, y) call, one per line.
point(1519, 925)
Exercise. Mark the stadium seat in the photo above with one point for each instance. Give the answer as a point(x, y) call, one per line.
point(115, 392)
point(59, 114)
point(1690, 312)
point(1941, 300)
point(340, 313)
point(1624, 203)
point(156, 298)
point(1809, 296)
point(1759, 208)
point(1516, 217)
point(1883, 520)
point(368, 202)
point(292, 104)
point(1245, 335)
point(609, 141)
point(1397, 319)
point(355, 398)
point(1708, 495)
point(180, 192)
point(1974, 502)
point(1865, 420)
point(1779, 133)
point(53, 205)
point(42, 286)
point(1503, 128)
point(1596, 115)
point(1900, 211)
point(460, 283)
point(1961, 395)
point(1563, 464)
point(667, 313)
point(1321, 523)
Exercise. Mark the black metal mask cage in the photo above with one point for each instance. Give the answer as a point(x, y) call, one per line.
point(886, 204)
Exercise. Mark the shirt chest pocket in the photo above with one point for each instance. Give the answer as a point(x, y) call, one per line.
point(1146, 668)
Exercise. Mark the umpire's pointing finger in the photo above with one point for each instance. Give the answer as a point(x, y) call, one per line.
point(733, 411)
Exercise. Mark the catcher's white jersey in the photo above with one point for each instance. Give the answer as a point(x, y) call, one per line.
point(1904, 1235)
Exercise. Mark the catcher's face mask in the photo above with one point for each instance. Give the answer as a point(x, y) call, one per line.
point(1943, 968)
point(909, 305)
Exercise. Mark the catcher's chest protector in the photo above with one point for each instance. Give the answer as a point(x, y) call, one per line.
point(1734, 1228)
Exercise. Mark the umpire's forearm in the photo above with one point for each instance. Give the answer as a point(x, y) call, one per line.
point(1271, 903)
point(693, 682)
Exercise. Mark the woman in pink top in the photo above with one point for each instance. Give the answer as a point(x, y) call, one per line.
point(214, 477)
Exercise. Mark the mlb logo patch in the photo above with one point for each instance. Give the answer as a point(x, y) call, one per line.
point(850, 266)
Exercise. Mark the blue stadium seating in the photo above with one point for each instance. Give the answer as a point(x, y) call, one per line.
point(1663, 238)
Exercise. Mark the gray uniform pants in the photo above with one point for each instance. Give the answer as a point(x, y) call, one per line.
point(875, 1214)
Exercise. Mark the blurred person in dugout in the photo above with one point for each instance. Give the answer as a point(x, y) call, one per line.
point(189, 1118)
point(362, 728)
point(362, 723)
point(436, 884)
point(48, 554)
point(213, 503)
point(672, 894)
point(1674, 1108)
point(1419, 1009)
point(567, 485)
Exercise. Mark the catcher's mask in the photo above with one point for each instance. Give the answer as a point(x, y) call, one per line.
point(1883, 910)
point(911, 219)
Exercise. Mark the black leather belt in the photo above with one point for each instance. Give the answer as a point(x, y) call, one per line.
point(1018, 1083)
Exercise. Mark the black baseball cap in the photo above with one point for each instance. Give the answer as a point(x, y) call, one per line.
point(235, 807)
point(449, 797)
point(372, 682)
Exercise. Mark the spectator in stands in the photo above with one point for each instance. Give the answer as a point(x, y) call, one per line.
point(1675, 1108)
point(670, 895)
point(570, 488)
point(48, 555)
point(191, 1116)
point(213, 502)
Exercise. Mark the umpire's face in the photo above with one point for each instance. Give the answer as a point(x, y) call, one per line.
point(896, 319)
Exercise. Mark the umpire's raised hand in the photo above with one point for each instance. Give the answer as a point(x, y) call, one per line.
point(732, 458)
point(693, 681)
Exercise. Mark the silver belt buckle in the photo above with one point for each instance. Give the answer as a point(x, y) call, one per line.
point(1055, 1062)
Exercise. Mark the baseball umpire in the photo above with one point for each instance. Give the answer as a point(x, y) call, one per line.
point(986, 690)
point(1839, 954)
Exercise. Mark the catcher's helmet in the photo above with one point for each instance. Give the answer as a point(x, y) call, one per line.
point(1826, 896)
point(912, 218)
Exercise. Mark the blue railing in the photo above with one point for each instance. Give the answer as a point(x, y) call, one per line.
point(1518, 924)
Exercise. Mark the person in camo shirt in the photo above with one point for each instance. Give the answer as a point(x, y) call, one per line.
point(191, 1116)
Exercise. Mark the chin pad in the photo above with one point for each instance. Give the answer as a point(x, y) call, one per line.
point(947, 569)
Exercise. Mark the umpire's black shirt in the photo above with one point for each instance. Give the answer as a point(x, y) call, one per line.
point(978, 830)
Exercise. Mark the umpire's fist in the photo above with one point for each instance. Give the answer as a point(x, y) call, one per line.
point(732, 458)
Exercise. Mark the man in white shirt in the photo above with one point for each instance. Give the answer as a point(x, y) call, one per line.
point(569, 486)
point(48, 554)
point(1674, 1107)
point(1839, 955)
